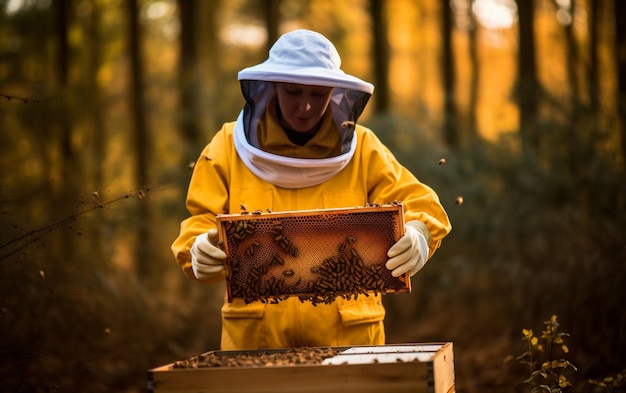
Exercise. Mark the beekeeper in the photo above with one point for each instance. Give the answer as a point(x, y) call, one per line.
point(296, 145)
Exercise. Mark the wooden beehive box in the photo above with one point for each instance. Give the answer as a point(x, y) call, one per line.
point(315, 255)
point(405, 368)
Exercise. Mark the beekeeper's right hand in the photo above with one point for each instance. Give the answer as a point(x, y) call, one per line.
point(206, 258)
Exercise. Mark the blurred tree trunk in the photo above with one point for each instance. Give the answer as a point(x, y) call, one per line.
point(97, 110)
point(450, 124)
point(141, 144)
point(620, 43)
point(592, 76)
point(619, 11)
point(63, 202)
point(272, 21)
point(527, 83)
point(577, 143)
point(96, 114)
point(572, 60)
point(380, 55)
point(67, 152)
point(475, 76)
point(189, 80)
point(209, 57)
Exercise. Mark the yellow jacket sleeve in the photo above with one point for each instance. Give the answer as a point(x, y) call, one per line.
point(207, 196)
point(389, 181)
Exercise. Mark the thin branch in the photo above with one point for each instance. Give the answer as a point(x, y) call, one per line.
point(27, 100)
point(19, 243)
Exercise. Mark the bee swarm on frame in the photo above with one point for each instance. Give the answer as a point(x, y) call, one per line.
point(315, 256)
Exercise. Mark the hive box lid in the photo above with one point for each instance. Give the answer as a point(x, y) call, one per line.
point(404, 368)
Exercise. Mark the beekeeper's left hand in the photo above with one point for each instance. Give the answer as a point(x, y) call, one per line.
point(410, 253)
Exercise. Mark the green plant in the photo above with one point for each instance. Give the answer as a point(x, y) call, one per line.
point(612, 384)
point(547, 374)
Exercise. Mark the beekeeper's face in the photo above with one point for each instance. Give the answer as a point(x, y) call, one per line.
point(302, 106)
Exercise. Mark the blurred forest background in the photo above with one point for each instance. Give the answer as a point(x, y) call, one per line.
point(105, 103)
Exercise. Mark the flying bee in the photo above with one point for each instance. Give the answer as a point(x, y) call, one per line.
point(459, 200)
point(442, 161)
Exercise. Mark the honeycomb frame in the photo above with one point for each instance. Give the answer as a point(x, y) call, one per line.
point(315, 255)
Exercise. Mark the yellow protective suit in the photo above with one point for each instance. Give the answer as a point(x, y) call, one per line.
point(221, 183)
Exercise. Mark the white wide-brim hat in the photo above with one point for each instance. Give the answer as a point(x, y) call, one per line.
point(305, 57)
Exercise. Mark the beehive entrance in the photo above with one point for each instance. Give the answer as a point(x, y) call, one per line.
point(316, 255)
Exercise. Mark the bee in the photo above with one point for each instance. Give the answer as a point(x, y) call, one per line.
point(276, 261)
point(459, 200)
point(252, 249)
point(277, 228)
point(442, 161)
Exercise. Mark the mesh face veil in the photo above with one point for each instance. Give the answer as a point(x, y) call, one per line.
point(308, 58)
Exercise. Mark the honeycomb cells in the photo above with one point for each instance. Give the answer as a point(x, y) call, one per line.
point(315, 255)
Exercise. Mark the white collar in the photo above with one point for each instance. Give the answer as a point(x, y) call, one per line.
point(288, 172)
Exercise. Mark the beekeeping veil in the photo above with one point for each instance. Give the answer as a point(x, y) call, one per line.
point(308, 58)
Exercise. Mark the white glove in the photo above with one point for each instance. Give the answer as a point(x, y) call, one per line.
point(206, 258)
point(409, 254)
